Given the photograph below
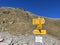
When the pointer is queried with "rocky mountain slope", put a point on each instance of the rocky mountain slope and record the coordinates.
(18, 21)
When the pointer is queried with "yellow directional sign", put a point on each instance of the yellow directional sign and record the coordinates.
(37, 32)
(39, 22)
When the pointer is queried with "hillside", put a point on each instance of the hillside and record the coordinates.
(19, 21)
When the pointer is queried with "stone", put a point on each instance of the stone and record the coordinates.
(2, 43)
(1, 38)
(8, 41)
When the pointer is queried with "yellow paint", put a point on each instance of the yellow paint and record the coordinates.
(37, 32)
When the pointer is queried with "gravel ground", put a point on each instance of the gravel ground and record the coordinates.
(27, 39)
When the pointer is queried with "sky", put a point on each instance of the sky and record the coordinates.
(47, 8)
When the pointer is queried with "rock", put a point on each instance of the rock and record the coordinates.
(2, 43)
(16, 44)
(1, 38)
(11, 22)
(8, 41)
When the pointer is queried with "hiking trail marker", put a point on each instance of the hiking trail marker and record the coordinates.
(38, 30)
(39, 22)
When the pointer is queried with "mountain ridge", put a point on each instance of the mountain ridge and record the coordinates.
(18, 21)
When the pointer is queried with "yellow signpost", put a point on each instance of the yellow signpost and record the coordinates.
(38, 30)
(39, 22)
